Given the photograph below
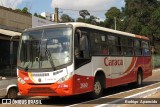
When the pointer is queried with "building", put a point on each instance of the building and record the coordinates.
(13, 23)
(48, 16)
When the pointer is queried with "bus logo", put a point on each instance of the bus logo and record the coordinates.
(39, 80)
(113, 62)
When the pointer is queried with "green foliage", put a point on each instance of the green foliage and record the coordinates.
(18, 10)
(24, 10)
(37, 15)
(142, 16)
(91, 20)
(111, 15)
(113, 12)
(84, 13)
(155, 61)
(66, 18)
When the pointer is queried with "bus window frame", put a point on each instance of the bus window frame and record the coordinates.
(132, 47)
(146, 48)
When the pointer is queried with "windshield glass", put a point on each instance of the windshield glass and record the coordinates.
(46, 48)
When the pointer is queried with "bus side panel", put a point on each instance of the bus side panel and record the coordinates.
(100, 63)
(139, 64)
(147, 67)
(83, 79)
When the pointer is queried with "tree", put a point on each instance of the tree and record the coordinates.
(25, 10)
(91, 20)
(84, 13)
(37, 15)
(18, 10)
(111, 15)
(66, 18)
(79, 19)
(142, 17)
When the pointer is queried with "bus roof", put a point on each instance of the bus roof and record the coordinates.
(80, 24)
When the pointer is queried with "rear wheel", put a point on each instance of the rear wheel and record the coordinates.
(139, 81)
(12, 93)
(98, 88)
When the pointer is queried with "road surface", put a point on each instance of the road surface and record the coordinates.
(110, 94)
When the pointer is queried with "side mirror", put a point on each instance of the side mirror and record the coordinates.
(79, 33)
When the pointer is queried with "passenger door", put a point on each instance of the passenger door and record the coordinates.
(83, 65)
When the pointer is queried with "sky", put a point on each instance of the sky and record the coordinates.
(70, 7)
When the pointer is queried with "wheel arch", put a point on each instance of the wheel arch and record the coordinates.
(11, 86)
(101, 74)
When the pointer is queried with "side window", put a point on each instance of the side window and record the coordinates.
(104, 45)
(145, 48)
(114, 45)
(137, 48)
(95, 43)
(82, 44)
(99, 43)
(127, 46)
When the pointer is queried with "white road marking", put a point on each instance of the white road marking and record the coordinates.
(138, 95)
(114, 95)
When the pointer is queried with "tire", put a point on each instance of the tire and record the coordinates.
(98, 88)
(139, 81)
(12, 93)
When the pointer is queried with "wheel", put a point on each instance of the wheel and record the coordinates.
(139, 81)
(12, 93)
(98, 88)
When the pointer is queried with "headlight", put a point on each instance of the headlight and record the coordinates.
(65, 78)
(21, 80)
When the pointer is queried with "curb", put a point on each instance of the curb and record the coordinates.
(143, 94)
(156, 70)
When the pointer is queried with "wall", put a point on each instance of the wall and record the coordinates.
(14, 20)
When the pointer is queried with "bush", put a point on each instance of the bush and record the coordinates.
(156, 60)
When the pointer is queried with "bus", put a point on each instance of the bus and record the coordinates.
(74, 58)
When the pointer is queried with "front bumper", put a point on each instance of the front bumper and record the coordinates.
(63, 89)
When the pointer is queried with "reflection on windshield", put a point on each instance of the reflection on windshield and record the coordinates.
(47, 48)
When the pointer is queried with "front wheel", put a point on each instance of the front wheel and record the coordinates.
(12, 93)
(98, 88)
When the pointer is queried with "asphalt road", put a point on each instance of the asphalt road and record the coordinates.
(67, 101)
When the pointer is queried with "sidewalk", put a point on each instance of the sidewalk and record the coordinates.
(156, 95)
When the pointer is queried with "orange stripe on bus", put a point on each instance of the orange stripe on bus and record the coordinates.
(131, 65)
(141, 37)
(31, 77)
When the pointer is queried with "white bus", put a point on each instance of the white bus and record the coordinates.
(75, 58)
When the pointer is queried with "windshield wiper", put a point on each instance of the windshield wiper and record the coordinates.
(50, 58)
(27, 67)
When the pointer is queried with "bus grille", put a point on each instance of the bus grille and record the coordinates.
(41, 90)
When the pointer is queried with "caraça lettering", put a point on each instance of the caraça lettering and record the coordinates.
(113, 62)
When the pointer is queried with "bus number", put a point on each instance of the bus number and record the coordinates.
(83, 85)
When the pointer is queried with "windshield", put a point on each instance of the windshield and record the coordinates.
(48, 48)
